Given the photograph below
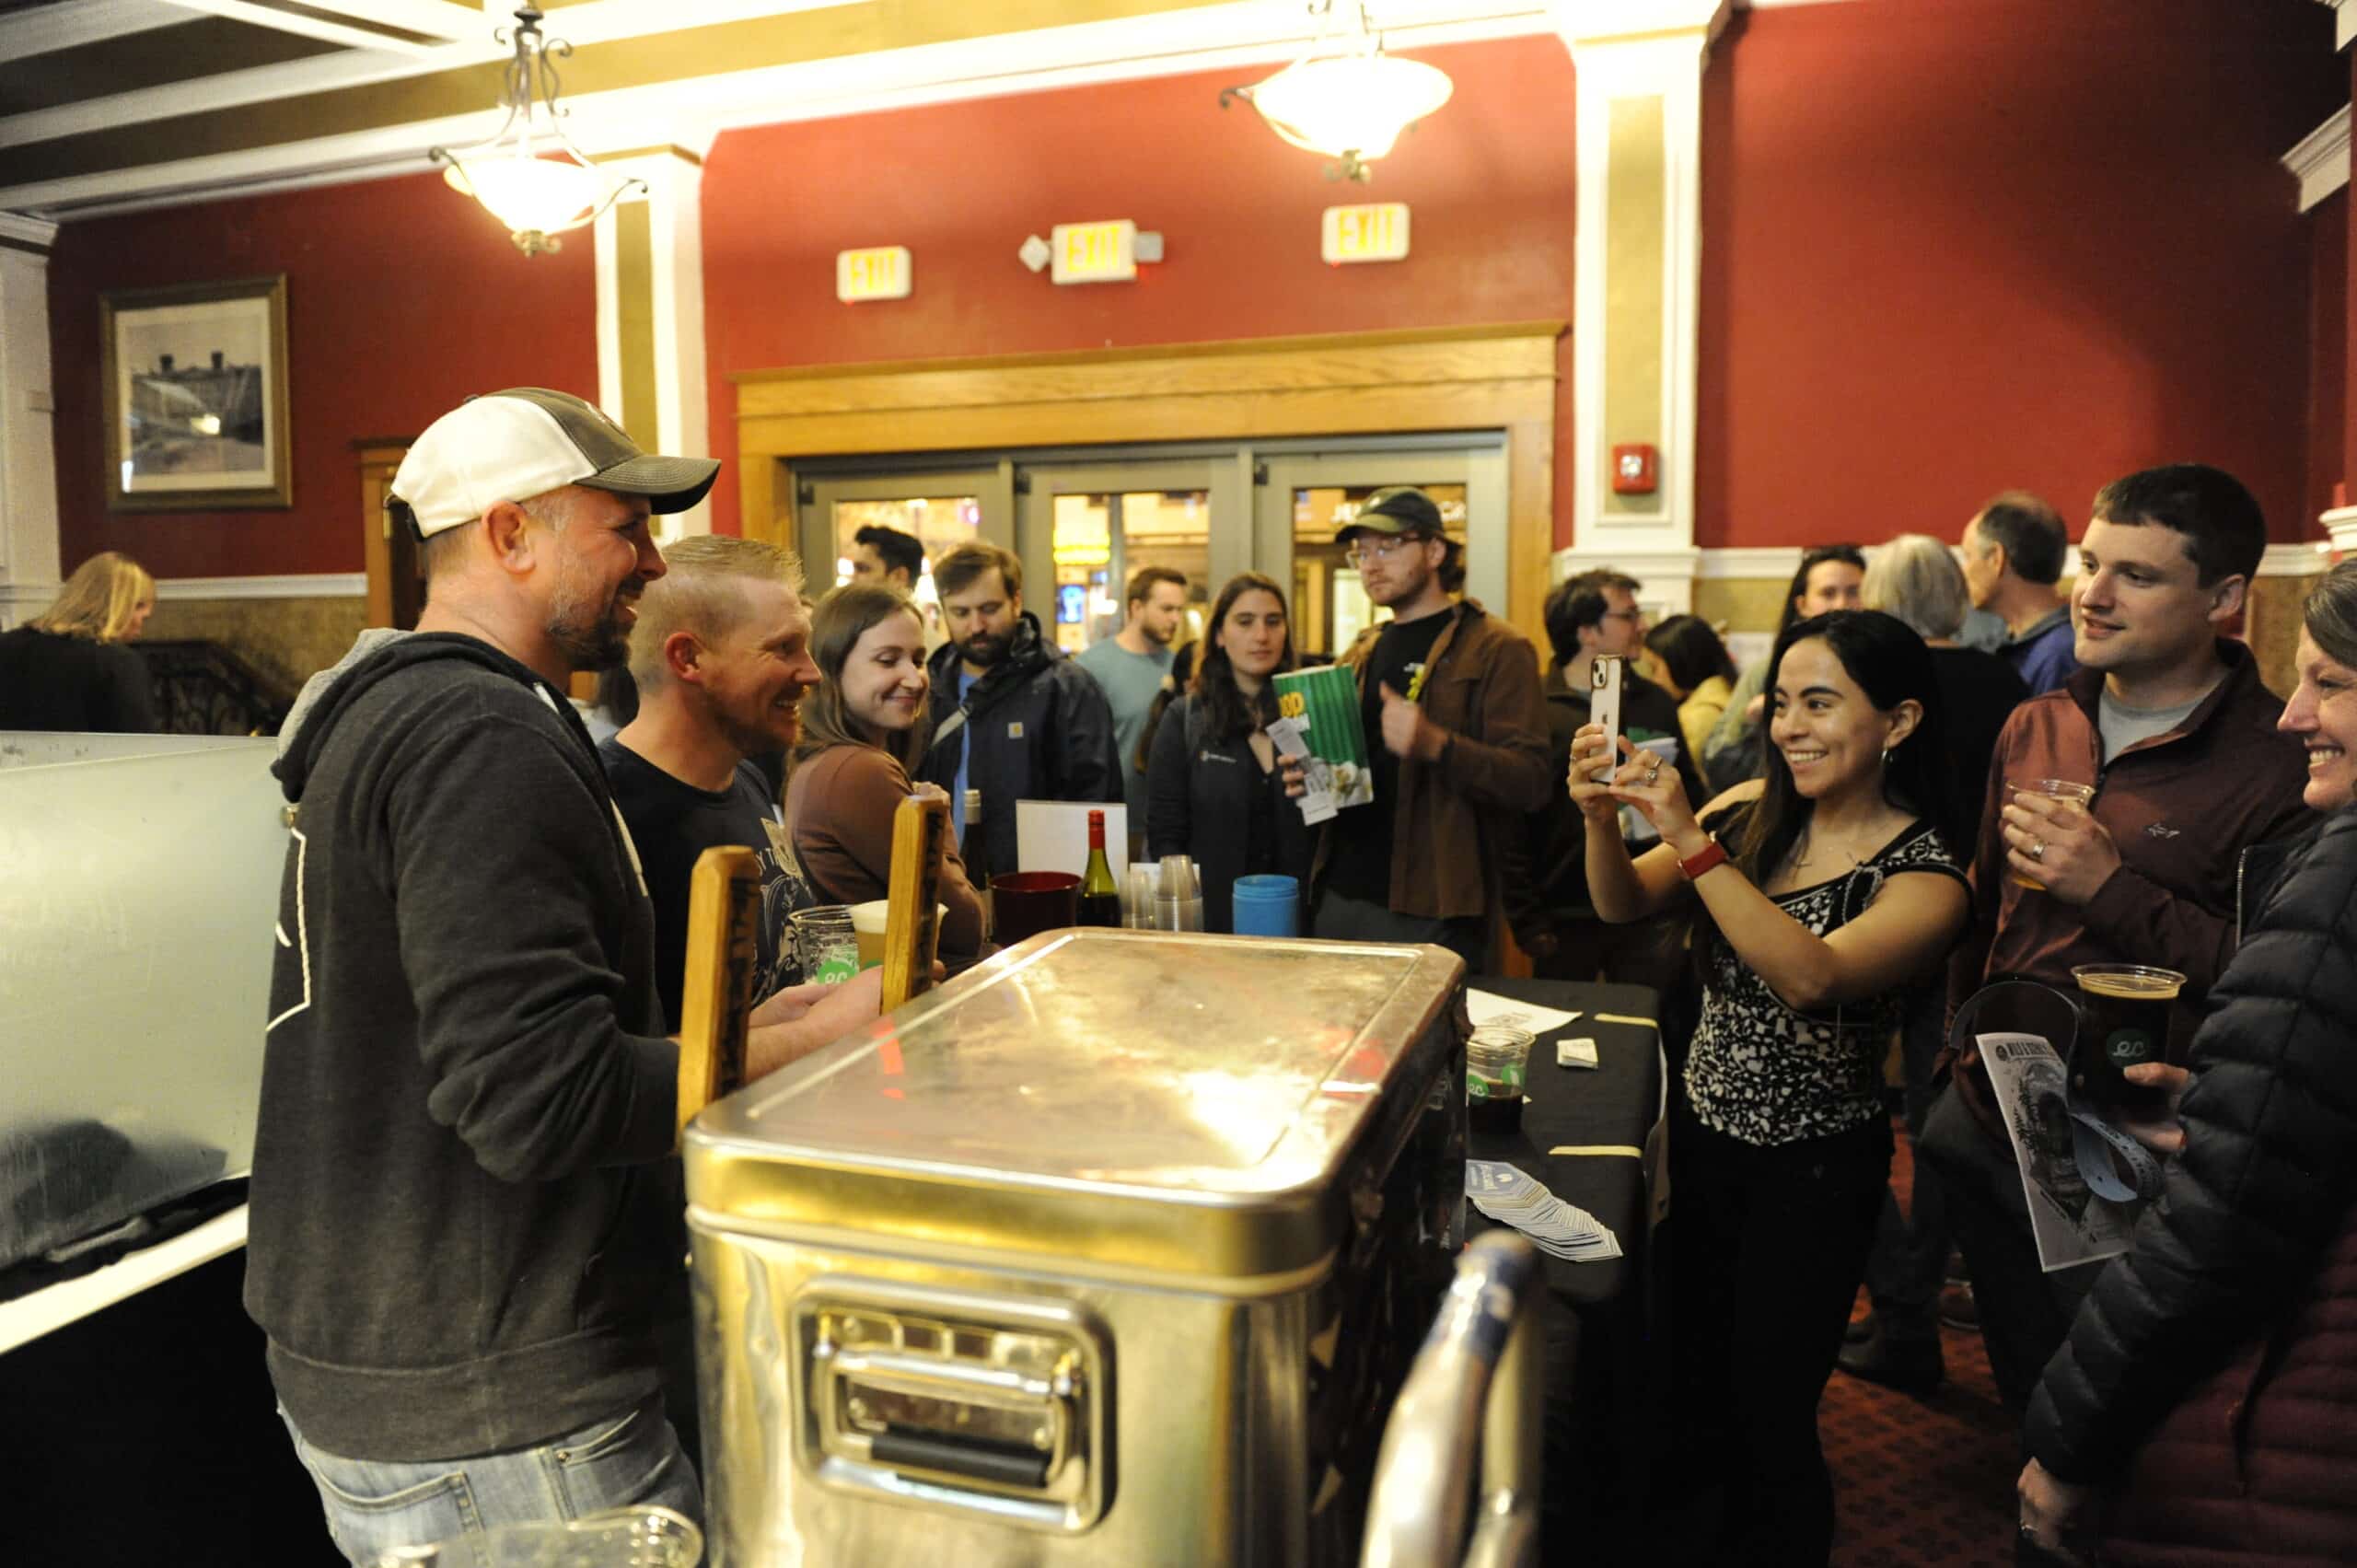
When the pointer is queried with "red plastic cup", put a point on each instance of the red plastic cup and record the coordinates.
(1024, 903)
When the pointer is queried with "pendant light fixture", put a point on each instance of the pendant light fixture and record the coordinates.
(529, 175)
(1345, 98)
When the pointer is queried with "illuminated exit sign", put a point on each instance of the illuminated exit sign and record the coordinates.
(1377, 232)
(882, 272)
(1095, 253)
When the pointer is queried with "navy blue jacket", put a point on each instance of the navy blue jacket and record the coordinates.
(1041, 729)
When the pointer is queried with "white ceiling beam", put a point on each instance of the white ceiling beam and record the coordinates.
(607, 19)
(52, 28)
(257, 84)
(327, 29)
(1247, 36)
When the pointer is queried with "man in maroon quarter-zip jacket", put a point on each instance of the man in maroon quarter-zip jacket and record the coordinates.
(2168, 721)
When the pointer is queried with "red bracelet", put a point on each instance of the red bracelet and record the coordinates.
(1711, 855)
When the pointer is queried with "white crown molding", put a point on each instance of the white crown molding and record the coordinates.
(2344, 22)
(2321, 161)
(2303, 559)
(300, 584)
(25, 230)
(1582, 22)
(49, 28)
(1238, 36)
(2342, 524)
(22, 595)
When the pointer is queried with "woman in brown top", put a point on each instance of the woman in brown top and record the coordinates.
(862, 734)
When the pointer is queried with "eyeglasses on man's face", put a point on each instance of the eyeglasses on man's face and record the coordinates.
(1379, 547)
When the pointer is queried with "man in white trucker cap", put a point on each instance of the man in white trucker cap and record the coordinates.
(465, 1216)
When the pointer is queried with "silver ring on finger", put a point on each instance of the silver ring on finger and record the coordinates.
(1651, 775)
(2037, 849)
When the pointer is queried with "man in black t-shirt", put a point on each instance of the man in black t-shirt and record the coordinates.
(722, 658)
(1456, 741)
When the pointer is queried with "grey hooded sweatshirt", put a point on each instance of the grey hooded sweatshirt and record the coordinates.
(464, 1210)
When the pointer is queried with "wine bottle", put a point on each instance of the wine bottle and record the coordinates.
(1100, 900)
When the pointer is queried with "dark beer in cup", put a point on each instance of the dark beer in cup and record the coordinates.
(2124, 1012)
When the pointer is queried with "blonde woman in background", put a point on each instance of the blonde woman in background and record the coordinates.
(68, 669)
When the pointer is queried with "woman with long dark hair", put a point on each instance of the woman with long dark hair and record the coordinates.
(1702, 674)
(1828, 888)
(862, 732)
(67, 669)
(1216, 790)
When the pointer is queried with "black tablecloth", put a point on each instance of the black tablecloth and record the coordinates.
(1584, 1129)
(1584, 1136)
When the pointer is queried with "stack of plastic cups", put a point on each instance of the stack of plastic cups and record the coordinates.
(1268, 906)
(1137, 910)
(1179, 899)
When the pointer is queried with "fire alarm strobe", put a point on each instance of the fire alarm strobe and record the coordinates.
(1634, 469)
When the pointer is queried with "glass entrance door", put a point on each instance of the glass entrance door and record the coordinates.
(1082, 523)
(942, 508)
(1085, 528)
(1304, 498)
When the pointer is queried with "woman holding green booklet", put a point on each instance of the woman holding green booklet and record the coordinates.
(1215, 788)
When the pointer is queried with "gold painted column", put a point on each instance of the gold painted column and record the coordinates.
(650, 311)
(1639, 67)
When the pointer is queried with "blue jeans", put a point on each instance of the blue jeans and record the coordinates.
(374, 1507)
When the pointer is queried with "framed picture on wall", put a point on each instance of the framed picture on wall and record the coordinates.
(195, 381)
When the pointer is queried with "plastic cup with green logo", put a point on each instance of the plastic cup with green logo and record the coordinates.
(2124, 1022)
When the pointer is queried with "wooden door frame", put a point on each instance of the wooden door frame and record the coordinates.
(1485, 378)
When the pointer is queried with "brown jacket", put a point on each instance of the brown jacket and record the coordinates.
(839, 805)
(1450, 816)
(2181, 808)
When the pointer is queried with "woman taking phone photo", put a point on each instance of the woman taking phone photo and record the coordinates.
(1826, 888)
(861, 740)
(1214, 788)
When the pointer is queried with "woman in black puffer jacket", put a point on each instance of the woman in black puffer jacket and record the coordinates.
(2208, 1386)
(1216, 789)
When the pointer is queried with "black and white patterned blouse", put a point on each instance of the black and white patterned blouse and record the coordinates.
(1763, 1073)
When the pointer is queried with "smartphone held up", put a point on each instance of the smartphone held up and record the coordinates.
(1603, 678)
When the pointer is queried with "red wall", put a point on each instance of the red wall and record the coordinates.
(1956, 245)
(402, 298)
(1489, 179)
(1950, 245)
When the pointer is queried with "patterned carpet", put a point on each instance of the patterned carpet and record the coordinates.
(1922, 1482)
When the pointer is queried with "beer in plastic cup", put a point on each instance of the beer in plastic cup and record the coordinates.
(2076, 794)
(867, 922)
(2124, 1022)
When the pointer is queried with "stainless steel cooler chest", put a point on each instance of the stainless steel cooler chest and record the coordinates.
(1113, 1251)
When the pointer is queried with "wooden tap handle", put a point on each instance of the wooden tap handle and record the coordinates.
(912, 932)
(717, 996)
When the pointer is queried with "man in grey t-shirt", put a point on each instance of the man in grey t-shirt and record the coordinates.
(1130, 667)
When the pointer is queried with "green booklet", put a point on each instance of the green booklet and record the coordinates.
(1324, 702)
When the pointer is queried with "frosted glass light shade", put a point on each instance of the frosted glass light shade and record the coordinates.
(1353, 104)
(530, 195)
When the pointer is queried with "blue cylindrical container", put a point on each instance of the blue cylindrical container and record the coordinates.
(1268, 906)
